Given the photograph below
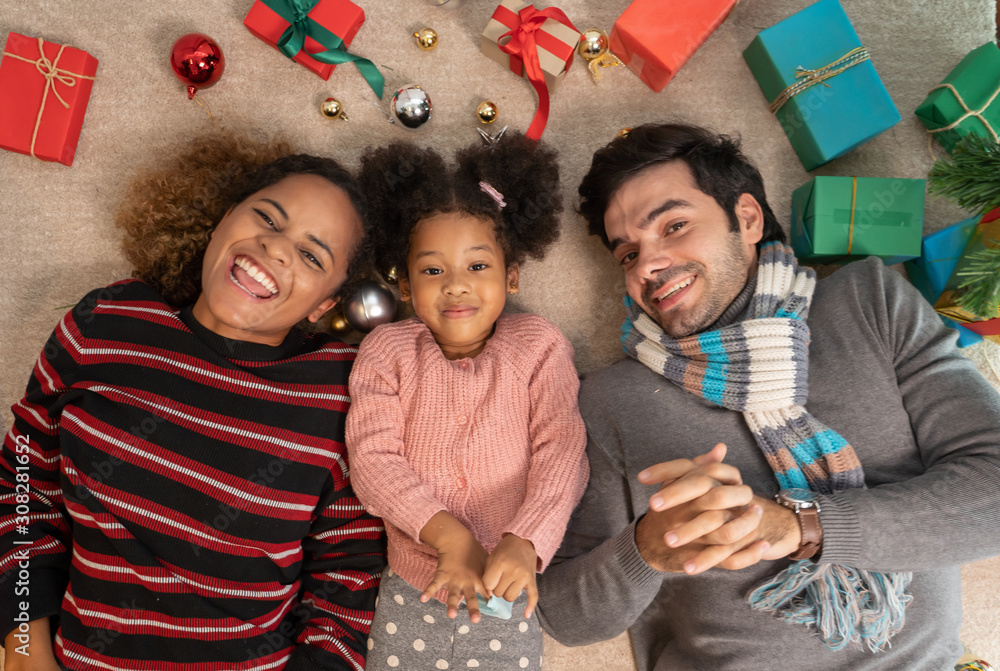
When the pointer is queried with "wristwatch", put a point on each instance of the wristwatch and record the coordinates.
(803, 503)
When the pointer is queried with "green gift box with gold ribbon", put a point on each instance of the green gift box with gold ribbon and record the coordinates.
(313, 33)
(820, 83)
(967, 101)
(846, 218)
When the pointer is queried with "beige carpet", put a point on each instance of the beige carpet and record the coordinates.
(58, 241)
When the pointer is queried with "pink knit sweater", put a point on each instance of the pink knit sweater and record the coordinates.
(496, 440)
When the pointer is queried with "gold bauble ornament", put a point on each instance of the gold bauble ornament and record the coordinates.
(332, 109)
(338, 323)
(487, 112)
(427, 38)
(391, 276)
(593, 44)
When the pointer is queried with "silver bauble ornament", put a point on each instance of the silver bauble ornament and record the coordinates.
(411, 106)
(368, 306)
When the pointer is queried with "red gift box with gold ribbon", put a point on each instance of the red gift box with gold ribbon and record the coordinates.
(535, 43)
(44, 91)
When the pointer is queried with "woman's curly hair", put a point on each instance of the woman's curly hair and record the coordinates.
(169, 213)
(404, 184)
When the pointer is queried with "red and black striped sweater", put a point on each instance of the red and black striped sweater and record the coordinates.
(186, 498)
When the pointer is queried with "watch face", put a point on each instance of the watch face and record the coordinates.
(798, 494)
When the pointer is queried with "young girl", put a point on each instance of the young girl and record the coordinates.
(175, 470)
(464, 433)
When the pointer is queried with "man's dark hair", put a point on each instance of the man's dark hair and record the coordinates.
(719, 168)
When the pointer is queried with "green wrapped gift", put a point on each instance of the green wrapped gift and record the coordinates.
(844, 218)
(967, 102)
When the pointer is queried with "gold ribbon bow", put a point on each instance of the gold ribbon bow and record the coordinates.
(52, 74)
(809, 78)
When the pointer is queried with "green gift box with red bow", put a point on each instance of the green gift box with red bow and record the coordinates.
(314, 33)
(537, 44)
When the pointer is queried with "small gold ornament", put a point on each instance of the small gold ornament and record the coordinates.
(624, 132)
(487, 112)
(593, 44)
(391, 276)
(427, 38)
(338, 323)
(332, 109)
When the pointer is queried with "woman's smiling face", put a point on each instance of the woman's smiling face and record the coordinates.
(277, 258)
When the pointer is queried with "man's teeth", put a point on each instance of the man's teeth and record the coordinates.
(256, 273)
(674, 289)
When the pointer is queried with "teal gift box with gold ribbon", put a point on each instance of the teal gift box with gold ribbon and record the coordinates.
(820, 83)
(314, 33)
(846, 218)
(967, 102)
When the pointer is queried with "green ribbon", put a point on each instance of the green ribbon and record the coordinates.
(292, 41)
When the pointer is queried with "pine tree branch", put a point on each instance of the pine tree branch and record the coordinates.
(972, 178)
(979, 292)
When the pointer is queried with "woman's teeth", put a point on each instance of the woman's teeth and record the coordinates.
(257, 274)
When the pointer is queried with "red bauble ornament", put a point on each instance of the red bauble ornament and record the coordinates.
(197, 61)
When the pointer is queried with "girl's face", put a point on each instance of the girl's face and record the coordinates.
(277, 258)
(458, 281)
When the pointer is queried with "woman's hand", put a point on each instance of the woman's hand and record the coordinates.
(38, 640)
(461, 562)
(510, 570)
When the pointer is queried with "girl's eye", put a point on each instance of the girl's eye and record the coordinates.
(431, 271)
(312, 259)
(478, 266)
(267, 219)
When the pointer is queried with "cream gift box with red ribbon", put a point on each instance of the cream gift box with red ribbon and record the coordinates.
(537, 44)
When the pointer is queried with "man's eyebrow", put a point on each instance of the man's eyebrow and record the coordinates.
(651, 216)
(666, 206)
(278, 207)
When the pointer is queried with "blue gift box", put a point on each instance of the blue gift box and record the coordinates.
(842, 111)
(939, 256)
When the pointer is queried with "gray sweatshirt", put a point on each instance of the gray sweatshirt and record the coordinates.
(883, 372)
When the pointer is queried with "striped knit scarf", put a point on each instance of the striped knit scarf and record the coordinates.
(759, 367)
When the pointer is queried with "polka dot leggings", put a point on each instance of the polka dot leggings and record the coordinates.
(411, 636)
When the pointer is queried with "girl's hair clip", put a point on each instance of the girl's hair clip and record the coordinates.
(492, 193)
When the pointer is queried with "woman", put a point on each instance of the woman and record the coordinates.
(177, 460)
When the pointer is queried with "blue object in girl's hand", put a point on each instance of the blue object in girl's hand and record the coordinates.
(495, 607)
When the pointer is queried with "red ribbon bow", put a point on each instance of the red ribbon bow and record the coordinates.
(525, 37)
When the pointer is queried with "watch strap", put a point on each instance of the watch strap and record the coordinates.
(812, 533)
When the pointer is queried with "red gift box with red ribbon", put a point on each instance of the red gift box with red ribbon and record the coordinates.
(44, 91)
(343, 18)
(535, 43)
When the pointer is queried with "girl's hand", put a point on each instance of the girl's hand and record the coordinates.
(511, 569)
(461, 561)
(40, 656)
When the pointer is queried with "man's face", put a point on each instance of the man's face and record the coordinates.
(683, 262)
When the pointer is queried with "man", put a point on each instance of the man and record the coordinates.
(895, 440)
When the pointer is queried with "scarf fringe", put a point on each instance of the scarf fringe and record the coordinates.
(846, 605)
